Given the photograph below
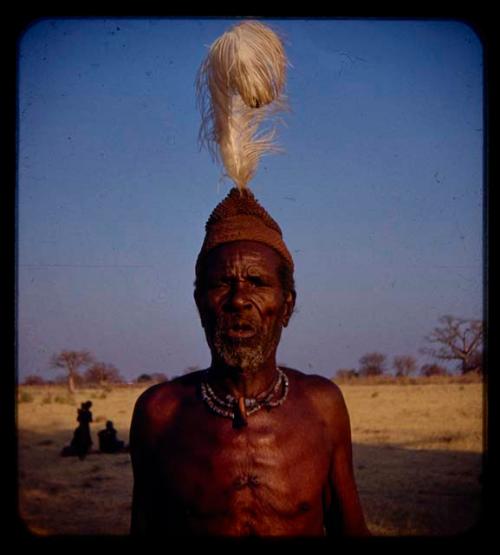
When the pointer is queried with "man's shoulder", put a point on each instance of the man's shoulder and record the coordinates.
(162, 399)
(313, 383)
(321, 391)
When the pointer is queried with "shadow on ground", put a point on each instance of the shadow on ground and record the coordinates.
(66, 495)
(418, 491)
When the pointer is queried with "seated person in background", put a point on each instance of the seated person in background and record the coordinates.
(108, 442)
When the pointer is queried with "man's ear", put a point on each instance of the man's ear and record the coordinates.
(199, 305)
(289, 306)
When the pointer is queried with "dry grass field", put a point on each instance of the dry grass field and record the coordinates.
(417, 457)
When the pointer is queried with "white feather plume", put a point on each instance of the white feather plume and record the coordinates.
(239, 90)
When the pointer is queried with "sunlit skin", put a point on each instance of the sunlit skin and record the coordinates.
(288, 472)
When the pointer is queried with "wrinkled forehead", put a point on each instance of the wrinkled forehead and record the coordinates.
(240, 255)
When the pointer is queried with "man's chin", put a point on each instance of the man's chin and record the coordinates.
(240, 358)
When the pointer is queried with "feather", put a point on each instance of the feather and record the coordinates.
(239, 90)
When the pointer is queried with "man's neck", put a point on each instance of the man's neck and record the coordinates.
(243, 383)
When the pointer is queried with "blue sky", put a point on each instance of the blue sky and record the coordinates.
(379, 190)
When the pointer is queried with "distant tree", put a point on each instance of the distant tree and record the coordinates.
(456, 339)
(429, 370)
(34, 379)
(372, 364)
(103, 374)
(71, 361)
(475, 363)
(156, 377)
(346, 373)
(159, 377)
(404, 365)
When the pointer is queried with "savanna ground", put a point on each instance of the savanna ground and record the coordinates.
(417, 450)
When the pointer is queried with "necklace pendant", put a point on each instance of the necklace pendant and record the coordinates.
(242, 412)
(240, 409)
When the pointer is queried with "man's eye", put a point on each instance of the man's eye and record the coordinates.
(219, 283)
(257, 281)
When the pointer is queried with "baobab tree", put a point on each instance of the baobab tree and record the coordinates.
(457, 339)
(71, 361)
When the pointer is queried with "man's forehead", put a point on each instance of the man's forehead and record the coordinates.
(246, 253)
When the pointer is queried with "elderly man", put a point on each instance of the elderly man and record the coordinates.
(244, 447)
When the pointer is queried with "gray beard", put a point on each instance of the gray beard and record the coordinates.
(247, 355)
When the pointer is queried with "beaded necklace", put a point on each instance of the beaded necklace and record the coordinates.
(241, 408)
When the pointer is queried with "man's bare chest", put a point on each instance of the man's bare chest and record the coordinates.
(275, 466)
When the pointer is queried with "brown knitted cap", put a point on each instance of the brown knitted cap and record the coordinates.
(239, 217)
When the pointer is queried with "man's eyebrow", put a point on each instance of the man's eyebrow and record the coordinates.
(259, 272)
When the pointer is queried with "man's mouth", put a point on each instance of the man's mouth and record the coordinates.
(240, 330)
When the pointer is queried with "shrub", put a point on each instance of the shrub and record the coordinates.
(64, 400)
(47, 399)
(26, 397)
(346, 374)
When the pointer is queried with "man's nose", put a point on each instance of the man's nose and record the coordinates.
(238, 297)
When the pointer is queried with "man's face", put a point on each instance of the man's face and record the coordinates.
(242, 304)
